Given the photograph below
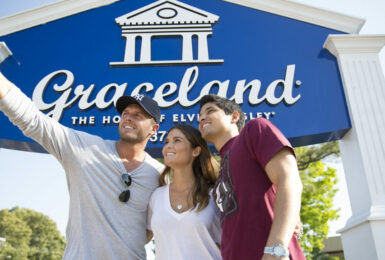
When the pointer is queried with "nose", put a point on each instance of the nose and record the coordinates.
(169, 144)
(127, 117)
(201, 118)
(166, 146)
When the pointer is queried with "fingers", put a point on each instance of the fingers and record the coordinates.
(298, 232)
(5, 85)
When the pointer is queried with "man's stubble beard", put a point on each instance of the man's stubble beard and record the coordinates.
(139, 138)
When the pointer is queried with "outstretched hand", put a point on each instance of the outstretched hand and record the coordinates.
(5, 85)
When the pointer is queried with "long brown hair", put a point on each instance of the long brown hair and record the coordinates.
(205, 167)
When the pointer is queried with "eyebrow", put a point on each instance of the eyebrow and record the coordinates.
(207, 108)
(177, 136)
(139, 111)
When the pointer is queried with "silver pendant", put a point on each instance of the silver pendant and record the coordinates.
(179, 206)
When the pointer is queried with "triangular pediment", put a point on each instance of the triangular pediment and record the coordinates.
(167, 12)
(297, 11)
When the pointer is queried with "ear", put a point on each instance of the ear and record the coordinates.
(197, 151)
(154, 128)
(234, 117)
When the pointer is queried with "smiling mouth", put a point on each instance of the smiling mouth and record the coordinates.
(205, 124)
(169, 154)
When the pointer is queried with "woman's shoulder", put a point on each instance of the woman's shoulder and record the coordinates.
(160, 190)
(157, 195)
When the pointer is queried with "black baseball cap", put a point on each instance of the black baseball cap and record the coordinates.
(148, 104)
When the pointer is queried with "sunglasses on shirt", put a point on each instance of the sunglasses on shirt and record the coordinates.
(125, 195)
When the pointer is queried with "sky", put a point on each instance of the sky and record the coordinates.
(37, 181)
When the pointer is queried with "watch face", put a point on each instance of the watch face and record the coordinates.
(279, 251)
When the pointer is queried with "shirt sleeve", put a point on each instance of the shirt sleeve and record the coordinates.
(263, 140)
(23, 113)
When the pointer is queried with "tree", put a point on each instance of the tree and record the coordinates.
(317, 196)
(39, 238)
(314, 153)
(17, 235)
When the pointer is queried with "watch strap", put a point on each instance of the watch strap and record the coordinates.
(270, 250)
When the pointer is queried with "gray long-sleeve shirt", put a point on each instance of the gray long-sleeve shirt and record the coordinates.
(99, 225)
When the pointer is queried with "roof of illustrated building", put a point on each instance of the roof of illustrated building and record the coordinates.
(65, 8)
(167, 12)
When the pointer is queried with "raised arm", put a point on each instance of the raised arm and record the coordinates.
(283, 172)
(23, 113)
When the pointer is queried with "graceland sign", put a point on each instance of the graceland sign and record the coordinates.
(76, 67)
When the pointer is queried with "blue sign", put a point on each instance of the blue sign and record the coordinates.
(75, 68)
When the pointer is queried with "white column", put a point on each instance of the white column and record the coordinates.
(363, 148)
(203, 49)
(129, 55)
(145, 51)
(187, 51)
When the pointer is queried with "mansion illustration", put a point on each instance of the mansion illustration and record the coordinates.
(166, 18)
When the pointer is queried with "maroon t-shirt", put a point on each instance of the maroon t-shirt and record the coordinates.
(245, 195)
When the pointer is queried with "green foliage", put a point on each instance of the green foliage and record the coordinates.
(17, 235)
(314, 153)
(29, 235)
(318, 255)
(317, 196)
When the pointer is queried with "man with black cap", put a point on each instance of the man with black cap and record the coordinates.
(109, 182)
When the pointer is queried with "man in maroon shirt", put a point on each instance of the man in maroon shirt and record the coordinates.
(259, 189)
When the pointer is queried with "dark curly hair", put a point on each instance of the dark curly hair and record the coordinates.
(228, 106)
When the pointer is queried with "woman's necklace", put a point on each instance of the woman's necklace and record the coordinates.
(183, 196)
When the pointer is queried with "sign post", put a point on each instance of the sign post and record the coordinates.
(363, 147)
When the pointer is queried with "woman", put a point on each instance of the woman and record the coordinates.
(182, 213)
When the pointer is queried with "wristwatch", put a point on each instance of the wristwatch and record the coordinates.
(277, 250)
